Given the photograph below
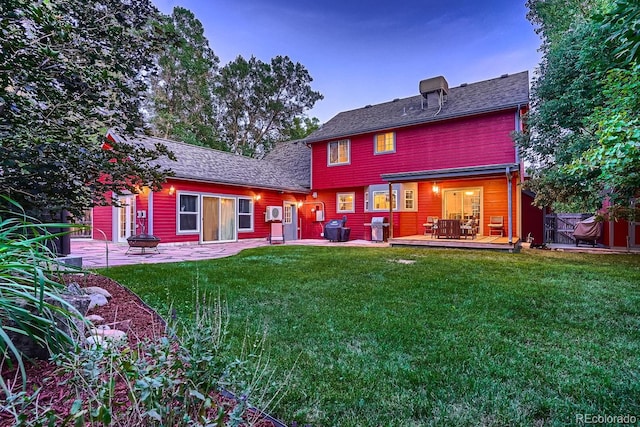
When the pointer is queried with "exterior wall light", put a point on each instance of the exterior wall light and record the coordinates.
(172, 190)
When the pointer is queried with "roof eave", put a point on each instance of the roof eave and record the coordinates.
(300, 189)
(450, 173)
(311, 140)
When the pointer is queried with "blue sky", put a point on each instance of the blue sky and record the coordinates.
(368, 52)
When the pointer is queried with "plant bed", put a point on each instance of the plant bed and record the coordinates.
(56, 392)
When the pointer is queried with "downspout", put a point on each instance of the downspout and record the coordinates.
(510, 206)
(518, 124)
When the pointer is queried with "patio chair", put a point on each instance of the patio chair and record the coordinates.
(469, 229)
(277, 233)
(431, 225)
(496, 225)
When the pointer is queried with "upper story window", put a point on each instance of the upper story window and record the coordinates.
(385, 143)
(346, 202)
(245, 214)
(188, 213)
(339, 152)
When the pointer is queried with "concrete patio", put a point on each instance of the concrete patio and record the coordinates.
(99, 253)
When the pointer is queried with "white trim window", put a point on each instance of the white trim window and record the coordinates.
(188, 213)
(339, 152)
(381, 200)
(346, 202)
(409, 200)
(384, 143)
(245, 214)
(366, 200)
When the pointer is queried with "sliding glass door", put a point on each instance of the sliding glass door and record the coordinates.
(218, 219)
(462, 204)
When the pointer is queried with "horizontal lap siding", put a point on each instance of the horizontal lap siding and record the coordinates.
(474, 141)
(495, 203)
(102, 221)
(165, 208)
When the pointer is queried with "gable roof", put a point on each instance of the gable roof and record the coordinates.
(497, 94)
(208, 165)
(295, 158)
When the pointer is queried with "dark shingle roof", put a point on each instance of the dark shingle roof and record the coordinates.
(474, 98)
(208, 165)
(295, 158)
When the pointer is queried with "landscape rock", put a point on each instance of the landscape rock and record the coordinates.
(97, 300)
(91, 290)
(95, 319)
(74, 289)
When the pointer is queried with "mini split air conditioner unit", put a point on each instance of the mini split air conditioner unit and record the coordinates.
(274, 213)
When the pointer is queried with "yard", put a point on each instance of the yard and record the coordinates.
(406, 337)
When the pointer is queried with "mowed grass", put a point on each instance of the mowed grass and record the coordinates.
(453, 338)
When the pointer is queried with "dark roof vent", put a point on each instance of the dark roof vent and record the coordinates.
(367, 106)
(396, 100)
(504, 75)
(463, 85)
(434, 84)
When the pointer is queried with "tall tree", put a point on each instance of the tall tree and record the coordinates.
(258, 102)
(616, 156)
(182, 103)
(69, 70)
(301, 127)
(569, 98)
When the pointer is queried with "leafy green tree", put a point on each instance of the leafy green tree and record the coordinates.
(301, 127)
(567, 91)
(69, 70)
(616, 156)
(182, 103)
(258, 102)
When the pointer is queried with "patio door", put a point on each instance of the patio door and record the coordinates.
(218, 219)
(290, 221)
(462, 204)
(126, 217)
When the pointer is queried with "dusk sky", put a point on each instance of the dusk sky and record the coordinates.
(368, 52)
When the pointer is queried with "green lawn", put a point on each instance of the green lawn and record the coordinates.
(456, 338)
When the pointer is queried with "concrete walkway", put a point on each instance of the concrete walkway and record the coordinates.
(98, 253)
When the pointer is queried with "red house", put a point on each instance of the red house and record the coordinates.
(445, 153)
(214, 196)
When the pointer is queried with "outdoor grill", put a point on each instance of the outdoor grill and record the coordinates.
(379, 229)
(588, 230)
(335, 230)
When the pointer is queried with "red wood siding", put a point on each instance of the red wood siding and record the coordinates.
(471, 141)
(165, 209)
(532, 220)
(494, 202)
(103, 221)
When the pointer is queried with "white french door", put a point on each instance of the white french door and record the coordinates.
(126, 223)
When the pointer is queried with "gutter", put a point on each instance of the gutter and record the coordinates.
(430, 119)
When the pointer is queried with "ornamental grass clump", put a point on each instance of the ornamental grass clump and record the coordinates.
(31, 306)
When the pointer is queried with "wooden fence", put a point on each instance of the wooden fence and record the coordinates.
(558, 228)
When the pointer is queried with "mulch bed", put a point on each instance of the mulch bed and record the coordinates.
(124, 306)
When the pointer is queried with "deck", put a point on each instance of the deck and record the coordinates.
(494, 243)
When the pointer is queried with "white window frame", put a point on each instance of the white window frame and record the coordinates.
(386, 194)
(366, 200)
(352, 203)
(411, 199)
(384, 134)
(179, 213)
(249, 214)
(337, 145)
